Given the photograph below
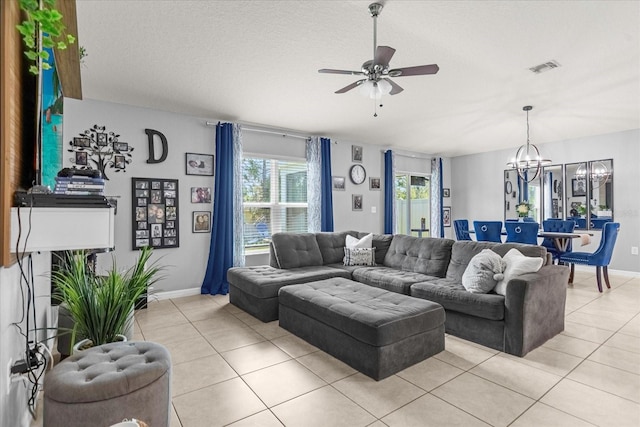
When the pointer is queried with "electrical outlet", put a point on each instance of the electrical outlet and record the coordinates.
(634, 250)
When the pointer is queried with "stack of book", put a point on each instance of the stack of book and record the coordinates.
(79, 185)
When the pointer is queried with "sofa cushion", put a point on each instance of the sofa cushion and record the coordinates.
(359, 256)
(332, 245)
(381, 242)
(293, 250)
(429, 256)
(265, 281)
(390, 279)
(453, 296)
(483, 272)
(517, 264)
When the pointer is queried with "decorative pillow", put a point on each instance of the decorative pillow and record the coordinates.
(354, 242)
(517, 264)
(483, 272)
(359, 256)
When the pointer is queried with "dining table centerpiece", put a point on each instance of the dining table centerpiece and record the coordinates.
(523, 209)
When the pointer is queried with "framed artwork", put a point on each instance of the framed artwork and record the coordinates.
(119, 162)
(81, 142)
(338, 183)
(81, 158)
(446, 192)
(155, 213)
(121, 146)
(199, 164)
(201, 222)
(374, 184)
(578, 187)
(356, 202)
(356, 153)
(446, 216)
(200, 194)
(101, 139)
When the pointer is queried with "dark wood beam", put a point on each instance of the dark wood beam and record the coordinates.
(68, 60)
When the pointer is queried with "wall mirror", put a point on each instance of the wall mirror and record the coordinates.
(600, 192)
(552, 192)
(532, 193)
(576, 193)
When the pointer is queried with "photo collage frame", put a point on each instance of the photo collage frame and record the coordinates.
(155, 213)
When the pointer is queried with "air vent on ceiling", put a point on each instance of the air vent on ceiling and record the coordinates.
(545, 67)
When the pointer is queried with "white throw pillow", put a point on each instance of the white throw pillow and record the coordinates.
(365, 242)
(483, 272)
(359, 256)
(517, 264)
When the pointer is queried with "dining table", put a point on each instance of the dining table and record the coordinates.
(560, 240)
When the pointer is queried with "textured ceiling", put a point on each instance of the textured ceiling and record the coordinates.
(257, 61)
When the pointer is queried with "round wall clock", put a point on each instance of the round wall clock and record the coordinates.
(358, 174)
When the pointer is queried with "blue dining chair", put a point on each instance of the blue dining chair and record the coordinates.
(600, 258)
(558, 226)
(522, 232)
(488, 231)
(462, 229)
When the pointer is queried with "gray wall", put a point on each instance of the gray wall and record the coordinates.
(477, 185)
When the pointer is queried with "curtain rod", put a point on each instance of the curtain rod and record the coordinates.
(411, 156)
(273, 132)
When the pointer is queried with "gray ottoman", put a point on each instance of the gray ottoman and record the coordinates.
(373, 330)
(106, 384)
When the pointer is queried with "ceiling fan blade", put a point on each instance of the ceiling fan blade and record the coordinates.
(351, 73)
(414, 71)
(394, 87)
(351, 86)
(383, 55)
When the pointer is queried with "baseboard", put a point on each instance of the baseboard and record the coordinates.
(592, 269)
(174, 294)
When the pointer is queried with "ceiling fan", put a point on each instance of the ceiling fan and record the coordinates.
(376, 72)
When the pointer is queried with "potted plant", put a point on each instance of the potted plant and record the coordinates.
(101, 306)
(523, 209)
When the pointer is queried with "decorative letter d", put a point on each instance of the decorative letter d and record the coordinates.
(165, 149)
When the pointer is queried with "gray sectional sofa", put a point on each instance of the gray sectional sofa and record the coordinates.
(530, 312)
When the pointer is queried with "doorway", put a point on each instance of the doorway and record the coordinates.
(413, 207)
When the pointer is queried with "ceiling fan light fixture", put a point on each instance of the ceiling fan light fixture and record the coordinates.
(375, 89)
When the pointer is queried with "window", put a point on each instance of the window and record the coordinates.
(412, 204)
(274, 199)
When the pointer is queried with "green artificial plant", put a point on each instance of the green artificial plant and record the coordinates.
(42, 18)
(100, 306)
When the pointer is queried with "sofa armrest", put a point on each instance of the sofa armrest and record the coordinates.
(535, 308)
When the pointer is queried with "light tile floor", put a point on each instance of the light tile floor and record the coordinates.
(231, 369)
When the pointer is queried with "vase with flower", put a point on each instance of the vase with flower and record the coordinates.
(523, 209)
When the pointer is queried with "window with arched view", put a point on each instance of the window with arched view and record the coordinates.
(274, 196)
(413, 209)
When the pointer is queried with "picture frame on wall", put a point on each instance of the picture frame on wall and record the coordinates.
(356, 153)
(199, 164)
(446, 216)
(446, 192)
(200, 194)
(356, 202)
(201, 222)
(338, 183)
(578, 187)
(374, 184)
(154, 211)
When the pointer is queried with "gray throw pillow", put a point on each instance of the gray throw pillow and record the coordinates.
(484, 271)
(359, 256)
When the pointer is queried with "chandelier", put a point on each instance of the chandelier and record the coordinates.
(599, 173)
(528, 162)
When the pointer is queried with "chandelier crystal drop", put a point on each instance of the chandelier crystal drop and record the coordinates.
(528, 163)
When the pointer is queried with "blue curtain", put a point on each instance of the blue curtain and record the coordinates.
(326, 219)
(221, 247)
(389, 193)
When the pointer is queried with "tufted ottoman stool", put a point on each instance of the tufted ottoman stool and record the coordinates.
(373, 330)
(103, 385)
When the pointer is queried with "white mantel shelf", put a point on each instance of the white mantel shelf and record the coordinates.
(59, 229)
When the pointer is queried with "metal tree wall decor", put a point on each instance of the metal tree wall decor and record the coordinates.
(96, 148)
